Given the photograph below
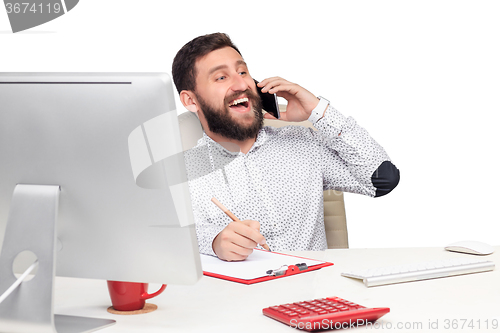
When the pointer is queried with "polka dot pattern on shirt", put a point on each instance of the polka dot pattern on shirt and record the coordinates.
(280, 181)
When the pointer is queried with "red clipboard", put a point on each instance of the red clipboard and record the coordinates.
(291, 270)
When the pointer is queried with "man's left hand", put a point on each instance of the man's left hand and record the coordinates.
(300, 101)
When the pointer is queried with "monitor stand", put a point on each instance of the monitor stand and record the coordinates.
(31, 226)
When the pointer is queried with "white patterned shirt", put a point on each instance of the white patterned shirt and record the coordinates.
(280, 181)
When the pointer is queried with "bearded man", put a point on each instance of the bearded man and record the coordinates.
(272, 179)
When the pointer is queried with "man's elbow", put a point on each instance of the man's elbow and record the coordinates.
(385, 178)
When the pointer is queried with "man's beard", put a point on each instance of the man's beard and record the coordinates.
(221, 122)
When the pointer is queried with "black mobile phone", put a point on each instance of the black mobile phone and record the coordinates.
(269, 102)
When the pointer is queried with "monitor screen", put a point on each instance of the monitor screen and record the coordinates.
(111, 142)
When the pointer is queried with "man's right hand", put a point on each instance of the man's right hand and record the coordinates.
(237, 240)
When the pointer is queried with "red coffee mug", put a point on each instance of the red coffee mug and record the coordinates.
(130, 296)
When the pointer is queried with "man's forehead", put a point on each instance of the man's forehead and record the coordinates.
(226, 57)
(225, 66)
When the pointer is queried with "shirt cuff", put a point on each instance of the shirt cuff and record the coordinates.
(209, 234)
(318, 111)
(333, 122)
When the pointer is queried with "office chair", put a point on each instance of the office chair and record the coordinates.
(334, 208)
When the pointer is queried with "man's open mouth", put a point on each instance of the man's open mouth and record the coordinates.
(240, 104)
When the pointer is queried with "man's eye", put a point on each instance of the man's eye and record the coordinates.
(220, 78)
(243, 73)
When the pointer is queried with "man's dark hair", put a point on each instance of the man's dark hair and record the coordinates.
(183, 67)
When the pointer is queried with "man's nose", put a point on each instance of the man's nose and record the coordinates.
(239, 83)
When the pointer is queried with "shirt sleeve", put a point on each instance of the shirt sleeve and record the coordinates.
(206, 234)
(352, 160)
(199, 168)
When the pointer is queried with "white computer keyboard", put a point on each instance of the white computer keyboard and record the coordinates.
(420, 271)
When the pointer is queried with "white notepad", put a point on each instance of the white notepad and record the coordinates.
(255, 266)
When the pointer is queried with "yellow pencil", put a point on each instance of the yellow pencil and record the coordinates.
(232, 216)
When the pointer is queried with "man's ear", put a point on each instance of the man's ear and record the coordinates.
(188, 99)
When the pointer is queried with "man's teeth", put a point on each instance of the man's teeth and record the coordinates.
(238, 101)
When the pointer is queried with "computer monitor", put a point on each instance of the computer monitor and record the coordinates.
(110, 144)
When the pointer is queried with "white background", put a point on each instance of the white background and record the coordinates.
(422, 76)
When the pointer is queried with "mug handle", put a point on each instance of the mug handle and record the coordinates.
(148, 296)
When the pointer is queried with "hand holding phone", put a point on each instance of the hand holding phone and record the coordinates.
(301, 102)
(269, 102)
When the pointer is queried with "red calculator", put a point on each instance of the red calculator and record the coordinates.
(324, 314)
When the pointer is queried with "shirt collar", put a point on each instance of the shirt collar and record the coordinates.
(262, 137)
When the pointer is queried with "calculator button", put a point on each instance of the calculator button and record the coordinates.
(333, 298)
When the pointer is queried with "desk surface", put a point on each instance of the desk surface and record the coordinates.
(467, 303)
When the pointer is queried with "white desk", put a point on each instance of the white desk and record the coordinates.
(214, 305)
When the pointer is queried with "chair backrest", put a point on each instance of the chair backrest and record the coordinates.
(334, 208)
